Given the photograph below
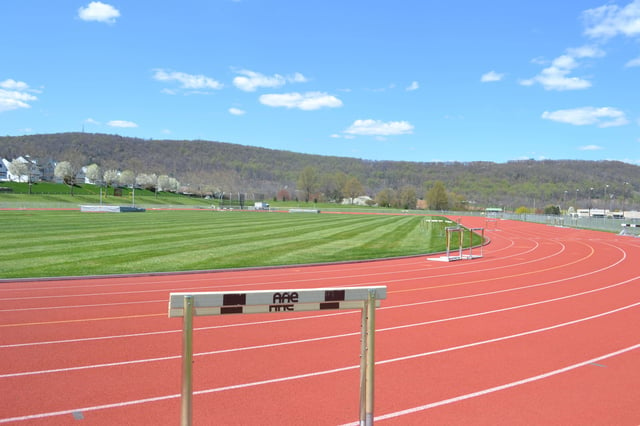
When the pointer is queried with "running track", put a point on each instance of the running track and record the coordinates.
(544, 329)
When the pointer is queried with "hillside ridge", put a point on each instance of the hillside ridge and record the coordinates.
(211, 166)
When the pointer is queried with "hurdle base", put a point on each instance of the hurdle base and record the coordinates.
(454, 258)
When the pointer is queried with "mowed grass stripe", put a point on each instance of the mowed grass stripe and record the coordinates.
(54, 243)
(293, 237)
(178, 238)
(165, 251)
(355, 243)
(319, 244)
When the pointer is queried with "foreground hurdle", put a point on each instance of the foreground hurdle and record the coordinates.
(188, 305)
(459, 231)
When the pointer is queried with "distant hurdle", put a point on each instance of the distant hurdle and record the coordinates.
(491, 223)
(627, 231)
(188, 305)
(438, 225)
(459, 232)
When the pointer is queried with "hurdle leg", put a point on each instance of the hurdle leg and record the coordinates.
(187, 362)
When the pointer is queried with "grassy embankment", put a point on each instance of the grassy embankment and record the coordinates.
(44, 194)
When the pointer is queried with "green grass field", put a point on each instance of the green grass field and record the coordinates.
(70, 243)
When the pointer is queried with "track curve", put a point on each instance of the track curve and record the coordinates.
(541, 330)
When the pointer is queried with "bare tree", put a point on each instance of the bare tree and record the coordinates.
(308, 181)
(353, 188)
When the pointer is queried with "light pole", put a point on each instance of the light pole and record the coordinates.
(605, 198)
(590, 200)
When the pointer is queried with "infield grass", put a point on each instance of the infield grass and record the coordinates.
(70, 243)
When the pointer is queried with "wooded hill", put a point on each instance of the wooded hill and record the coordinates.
(215, 166)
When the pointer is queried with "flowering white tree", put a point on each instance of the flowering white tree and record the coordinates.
(166, 183)
(20, 169)
(110, 177)
(147, 181)
(127, 178)
(65, 171)
(94, 173)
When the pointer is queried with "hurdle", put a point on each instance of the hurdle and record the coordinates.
(491, 223)
(450, 231)
(188, 305)
(471, 232)
(440, 225)
(626, 231)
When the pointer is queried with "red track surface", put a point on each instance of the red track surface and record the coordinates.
(544, 329)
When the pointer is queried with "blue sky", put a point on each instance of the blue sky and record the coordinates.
(496, 80)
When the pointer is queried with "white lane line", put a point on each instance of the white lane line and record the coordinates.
(152, 333)
(96, 305)
(502, 387)
(315, 339)
(340, 313)
(320, 373)
(333, 314)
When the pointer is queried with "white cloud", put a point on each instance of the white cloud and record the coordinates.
(12, 84)
(414, 86)
(556, 76)
(15, 95)
(633, 63)
(250, 81)
(187, 81)
(602, 117)
(379, 128)
(590, 148)
(236, 111)
(122, 123)
(91, 121)
(611, 20)
(304, 101)
(341, 136)
(491, 76)
(586, 51)
(100, 12)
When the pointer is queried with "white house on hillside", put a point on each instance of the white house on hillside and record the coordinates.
(4, 170)
(34, 174)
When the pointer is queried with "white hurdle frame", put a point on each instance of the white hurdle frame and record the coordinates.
(188, 305)
(460, 231)
(471, 231)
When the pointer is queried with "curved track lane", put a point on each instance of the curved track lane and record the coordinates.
(541, 330)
